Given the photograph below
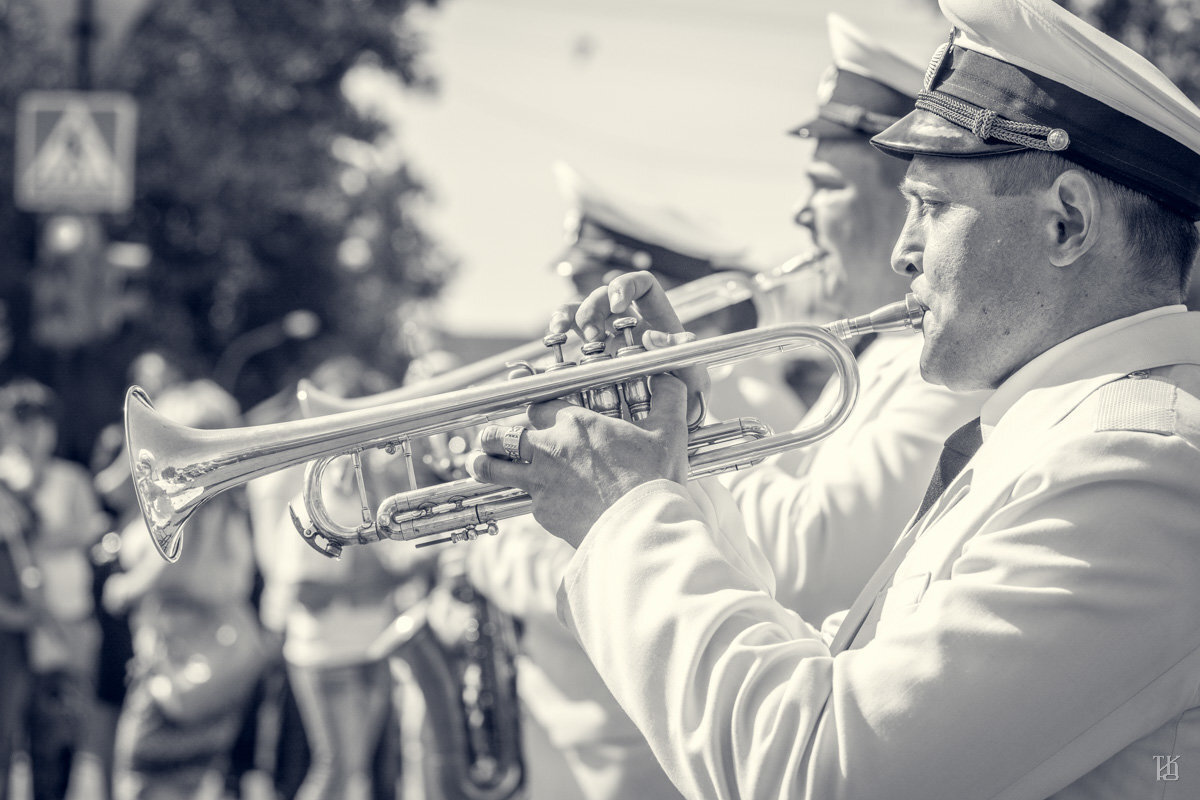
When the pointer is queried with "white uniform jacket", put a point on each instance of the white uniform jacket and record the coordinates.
(826, 522)
(1041, 638)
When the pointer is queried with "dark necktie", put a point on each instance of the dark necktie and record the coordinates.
(957, 451)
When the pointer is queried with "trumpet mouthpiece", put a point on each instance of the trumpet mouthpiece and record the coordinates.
(906, 314)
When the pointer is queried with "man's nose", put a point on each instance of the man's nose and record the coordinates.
(802, 215)
(908, 254)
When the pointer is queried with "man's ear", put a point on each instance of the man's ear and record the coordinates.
(1073, 204)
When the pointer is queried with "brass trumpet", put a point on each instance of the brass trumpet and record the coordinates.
(176, 468)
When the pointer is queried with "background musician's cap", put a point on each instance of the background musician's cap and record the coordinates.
(1027, 74)
(606, 233)
(867, 88)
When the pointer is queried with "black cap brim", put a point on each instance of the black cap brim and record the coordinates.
(925, 133)
(819, 128)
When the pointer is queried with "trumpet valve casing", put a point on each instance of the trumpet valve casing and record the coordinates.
(605, 399)
(636, 391)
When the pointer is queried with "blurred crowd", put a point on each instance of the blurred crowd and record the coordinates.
(252, 667)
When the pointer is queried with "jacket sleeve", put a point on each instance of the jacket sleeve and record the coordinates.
(1053, 621)
(826, 529)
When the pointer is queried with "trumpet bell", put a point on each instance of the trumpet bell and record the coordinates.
(165, 498)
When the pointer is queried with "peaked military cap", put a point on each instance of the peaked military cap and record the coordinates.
(867, 88)
(607, 232)
(1028, 75)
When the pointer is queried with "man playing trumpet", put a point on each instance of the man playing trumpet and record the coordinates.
(1034, 631)
(826, 521)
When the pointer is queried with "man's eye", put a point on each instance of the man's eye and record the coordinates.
(928, 206)
(826, 183)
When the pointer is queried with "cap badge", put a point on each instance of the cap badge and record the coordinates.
(935, 63)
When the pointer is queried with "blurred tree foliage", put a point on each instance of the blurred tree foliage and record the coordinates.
(1167, 32)
(256, 191)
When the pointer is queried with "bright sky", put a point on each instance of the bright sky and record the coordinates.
(682, 103)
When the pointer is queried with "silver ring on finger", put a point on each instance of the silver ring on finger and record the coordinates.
(512, 442)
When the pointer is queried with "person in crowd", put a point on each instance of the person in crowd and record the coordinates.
(17, 615)
(1034, 631)
(827, 514)
(332, 705)
(198, 648)
(155, 371)
(339, 608)
(64, 638)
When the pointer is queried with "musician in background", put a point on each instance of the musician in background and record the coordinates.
(827, 515)
(578, 742)
(608, 234)
(1034, 632)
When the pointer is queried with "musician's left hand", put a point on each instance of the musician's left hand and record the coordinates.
(640, 295)
(581, 462)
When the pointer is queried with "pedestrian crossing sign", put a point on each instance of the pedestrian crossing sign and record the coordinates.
(75, 151)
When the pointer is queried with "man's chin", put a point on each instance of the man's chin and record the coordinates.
(954, 376)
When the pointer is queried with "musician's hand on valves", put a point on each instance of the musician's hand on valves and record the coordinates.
(575, 463)
(636, 294)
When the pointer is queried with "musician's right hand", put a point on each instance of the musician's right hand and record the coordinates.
(576, 463)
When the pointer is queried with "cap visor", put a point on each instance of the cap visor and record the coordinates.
(925, 133)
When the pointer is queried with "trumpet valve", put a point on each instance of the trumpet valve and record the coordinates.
(555, 342)
(604, 400)
(626, 326)
(635, 390)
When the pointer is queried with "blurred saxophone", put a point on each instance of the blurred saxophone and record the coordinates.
(470, 698)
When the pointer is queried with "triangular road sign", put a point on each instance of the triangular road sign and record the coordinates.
(75, 151)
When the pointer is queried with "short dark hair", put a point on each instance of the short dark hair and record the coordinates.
(1163, 241)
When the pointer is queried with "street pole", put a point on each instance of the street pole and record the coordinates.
(85, 33)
